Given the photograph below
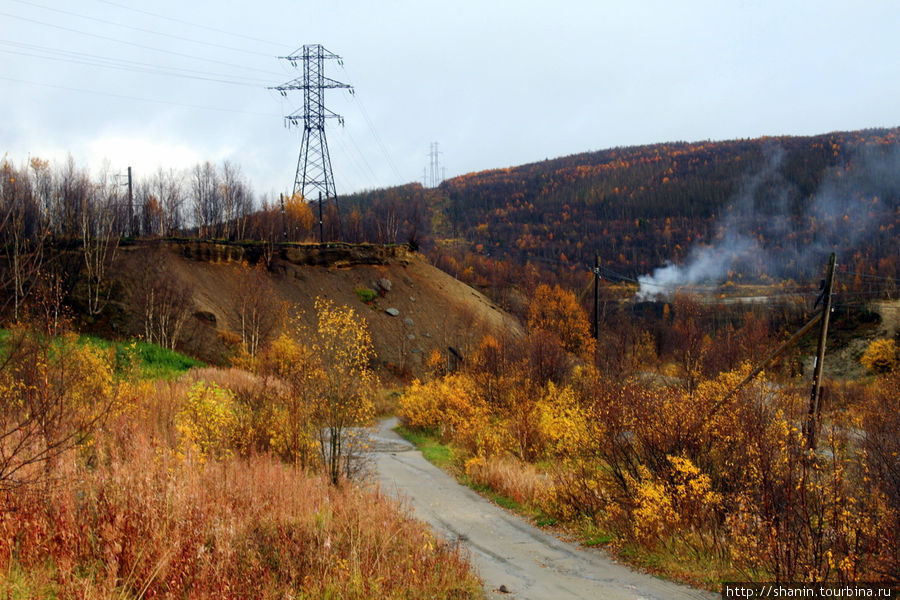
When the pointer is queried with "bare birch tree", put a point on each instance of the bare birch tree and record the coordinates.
(99, 239)
(21, 235)
(164, 303)
(257, 311)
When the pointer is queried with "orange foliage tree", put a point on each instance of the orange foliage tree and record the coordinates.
(556, 310)
(298, 217)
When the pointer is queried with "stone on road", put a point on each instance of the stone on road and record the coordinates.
(513, 558)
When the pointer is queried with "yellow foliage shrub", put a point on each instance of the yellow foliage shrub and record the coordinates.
(53, 394)
(453, 408)
(684, 501)
(563, 423)
(880, 356)
(580, 488)
(654, 512)
(207, 421)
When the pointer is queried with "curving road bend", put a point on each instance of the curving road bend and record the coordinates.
(513, 558)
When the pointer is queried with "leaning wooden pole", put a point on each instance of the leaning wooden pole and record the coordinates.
(765, 363)
(815, 405)
(596, 271)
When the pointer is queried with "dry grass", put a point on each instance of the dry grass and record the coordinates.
(512, 478)
(131, 517)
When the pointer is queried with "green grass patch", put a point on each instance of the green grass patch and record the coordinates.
(673, 560)
(600, 540)
(161, 363)
(437, 453)
(151, 360)
(20, 584)
(496, 498)
(543, 520)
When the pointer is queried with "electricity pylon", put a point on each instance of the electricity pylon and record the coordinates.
(314, 164)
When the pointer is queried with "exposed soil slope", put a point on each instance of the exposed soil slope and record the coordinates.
(434, 309)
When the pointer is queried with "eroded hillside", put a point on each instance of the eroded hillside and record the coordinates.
(434, 311)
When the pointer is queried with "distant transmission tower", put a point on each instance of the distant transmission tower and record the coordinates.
(314, 164)
(434, 175)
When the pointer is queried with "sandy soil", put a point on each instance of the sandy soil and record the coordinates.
(434, 310)
(506, 550)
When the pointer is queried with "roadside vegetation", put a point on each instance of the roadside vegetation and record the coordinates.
(650, 460)
(127, 472)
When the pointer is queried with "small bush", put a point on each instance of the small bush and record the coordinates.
(207, 422)
(366, 295)
(880, 357)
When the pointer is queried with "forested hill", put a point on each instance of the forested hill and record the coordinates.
(641, 207)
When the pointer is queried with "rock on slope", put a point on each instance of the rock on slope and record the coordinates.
(431, 310)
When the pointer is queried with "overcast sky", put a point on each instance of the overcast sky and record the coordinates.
(495, 83)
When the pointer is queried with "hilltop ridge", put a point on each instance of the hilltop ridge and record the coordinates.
(644, 207)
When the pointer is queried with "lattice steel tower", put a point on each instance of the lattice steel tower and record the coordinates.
(314, 164)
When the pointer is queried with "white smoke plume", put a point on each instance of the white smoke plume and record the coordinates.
(839, 215)
(703, 264)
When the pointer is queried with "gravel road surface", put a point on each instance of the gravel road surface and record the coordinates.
(513, 558)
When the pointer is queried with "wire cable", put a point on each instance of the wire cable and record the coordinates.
(868, 276)
(124, 63)
(191, 23)
(125, 97)
(362, 157)
(372, 128)
(354, 162)
(149, 70)
(136, 45)
(141, 29)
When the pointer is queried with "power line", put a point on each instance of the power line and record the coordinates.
(125, 97)
(135, 44)
(354, 159)
(868, 276)
(149, 69)
(359, 153)
(870, 293)
(191, 23)
(105, 60)
(141, 29)
(373, 130)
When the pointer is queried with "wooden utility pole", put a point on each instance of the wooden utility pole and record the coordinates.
(131, 227)
(321, 230)
(815, 405)
(283, 219)
(596, 272)
(767, 361)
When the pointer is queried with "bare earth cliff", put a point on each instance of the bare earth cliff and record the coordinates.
(418, 308)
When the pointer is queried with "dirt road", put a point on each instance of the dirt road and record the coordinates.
(506, 550)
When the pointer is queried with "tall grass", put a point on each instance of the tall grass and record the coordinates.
(519, 481)
(133, 515)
